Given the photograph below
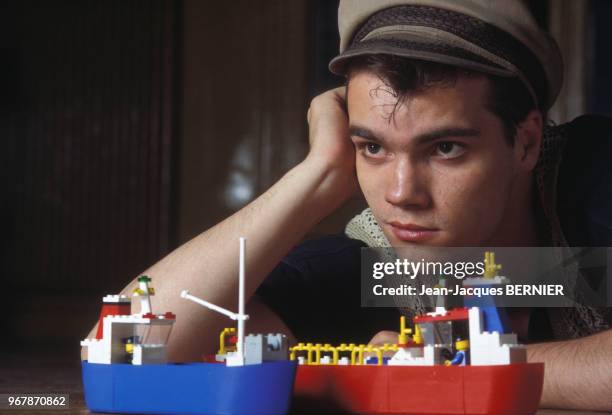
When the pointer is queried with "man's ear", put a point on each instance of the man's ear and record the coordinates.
(528, 140)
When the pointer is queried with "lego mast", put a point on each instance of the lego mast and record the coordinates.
(240, 344)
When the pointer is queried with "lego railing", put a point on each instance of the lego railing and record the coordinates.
(357, 352)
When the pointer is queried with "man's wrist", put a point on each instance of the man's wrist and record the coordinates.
(334, 186)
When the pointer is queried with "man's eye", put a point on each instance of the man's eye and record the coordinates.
(449, 150)
(372, 148)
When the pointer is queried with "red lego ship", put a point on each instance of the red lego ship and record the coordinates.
(368, 389)
(460, 361)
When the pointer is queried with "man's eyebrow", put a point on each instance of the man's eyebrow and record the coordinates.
(447, 132)
(355, 130)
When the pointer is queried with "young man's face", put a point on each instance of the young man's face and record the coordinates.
(440, 171)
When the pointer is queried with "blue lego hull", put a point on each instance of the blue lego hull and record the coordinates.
(191, 388)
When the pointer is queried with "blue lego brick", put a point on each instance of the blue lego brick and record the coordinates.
(495, 318)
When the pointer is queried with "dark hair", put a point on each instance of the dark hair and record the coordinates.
(508, 99)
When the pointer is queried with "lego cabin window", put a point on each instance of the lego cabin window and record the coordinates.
(443, 332)
(153, 334)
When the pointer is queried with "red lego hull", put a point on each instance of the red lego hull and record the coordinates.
(369, 389)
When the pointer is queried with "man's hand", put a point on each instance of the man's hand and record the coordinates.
(382, 337)
(330, 144)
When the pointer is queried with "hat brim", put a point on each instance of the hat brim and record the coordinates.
(417, 48)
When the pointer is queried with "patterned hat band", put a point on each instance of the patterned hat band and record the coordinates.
(443, 36)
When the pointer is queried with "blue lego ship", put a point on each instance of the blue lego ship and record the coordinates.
(192, 388)
(126, 370)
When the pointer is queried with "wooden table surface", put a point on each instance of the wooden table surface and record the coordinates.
(56, 369)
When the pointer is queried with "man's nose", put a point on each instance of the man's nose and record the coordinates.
(408, 187)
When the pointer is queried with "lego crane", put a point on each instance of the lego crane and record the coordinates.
(233, 358)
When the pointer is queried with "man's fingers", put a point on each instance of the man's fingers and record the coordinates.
(340, 95)
(383, 337)
(340, 92)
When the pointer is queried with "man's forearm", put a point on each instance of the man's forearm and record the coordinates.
(208, 264)
(577, 373)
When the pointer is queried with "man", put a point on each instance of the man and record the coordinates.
(441, 127)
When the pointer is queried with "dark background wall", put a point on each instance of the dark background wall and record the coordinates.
(599, 80)
(89, 136)
(130, 126)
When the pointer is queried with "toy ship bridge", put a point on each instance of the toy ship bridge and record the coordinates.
(123, 337)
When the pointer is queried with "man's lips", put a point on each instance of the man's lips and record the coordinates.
(410, 232)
